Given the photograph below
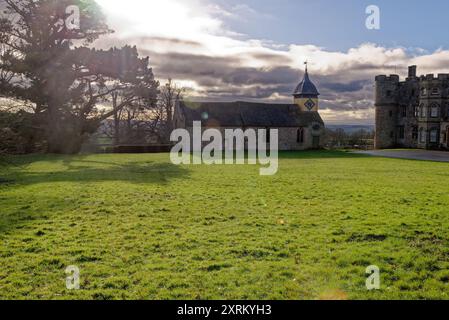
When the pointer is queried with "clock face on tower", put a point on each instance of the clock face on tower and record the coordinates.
(310, 104)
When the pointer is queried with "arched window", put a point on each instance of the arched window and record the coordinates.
(415, 133)
(435, 110)
(300, 135)
(434, 135)
(422, 111)
(422, 135)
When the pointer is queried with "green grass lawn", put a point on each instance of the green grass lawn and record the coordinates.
(139, 227)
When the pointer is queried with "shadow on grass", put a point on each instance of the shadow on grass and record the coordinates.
(320, 154)
(21, 172)
(86, 169)
(83, 170)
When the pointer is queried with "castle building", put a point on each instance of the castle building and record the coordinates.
(413, 113)
(299, 124)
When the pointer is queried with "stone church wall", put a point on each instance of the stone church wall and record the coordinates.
(287, 137)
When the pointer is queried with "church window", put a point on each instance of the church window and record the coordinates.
(300, 135)
(434, 111)
(434, 136)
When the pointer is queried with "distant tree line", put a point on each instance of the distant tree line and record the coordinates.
(340, 139)
(56, 90)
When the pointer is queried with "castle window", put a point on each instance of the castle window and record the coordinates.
(417, 111)
(401, 131)
(388, 93)
(422, 111)
(435, 91)
(434, 136)
(404, 111)
(391, 114)
(422, 135)
(300, 135)
(434, 111)
(268, 135)
(415, 133)
(423, 91)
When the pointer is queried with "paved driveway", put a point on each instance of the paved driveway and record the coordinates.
(440, 156)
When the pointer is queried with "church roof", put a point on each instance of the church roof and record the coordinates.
(247, 114)
(306, 87)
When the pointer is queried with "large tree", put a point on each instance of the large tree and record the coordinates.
(46, 59)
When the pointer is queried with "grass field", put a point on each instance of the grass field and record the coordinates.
(139, 227)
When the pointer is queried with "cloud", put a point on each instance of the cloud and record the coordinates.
(190, 41)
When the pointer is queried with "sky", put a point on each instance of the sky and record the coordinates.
(254, 50)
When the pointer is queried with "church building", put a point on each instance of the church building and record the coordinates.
(299, 124)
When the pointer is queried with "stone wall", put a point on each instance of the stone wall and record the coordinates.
(386, 111)
(287, 137)
(393, 97)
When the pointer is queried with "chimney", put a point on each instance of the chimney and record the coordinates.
(412, 72)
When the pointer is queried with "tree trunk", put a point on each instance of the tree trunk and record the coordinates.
(63, 136)
(116, 120)
(116, 129)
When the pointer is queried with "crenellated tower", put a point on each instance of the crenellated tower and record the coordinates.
(386, 102)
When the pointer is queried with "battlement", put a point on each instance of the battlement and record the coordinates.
(432, 77)
(428, 77)
(394, 78)
(390, 78)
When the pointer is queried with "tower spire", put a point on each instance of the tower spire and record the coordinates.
(306, 93)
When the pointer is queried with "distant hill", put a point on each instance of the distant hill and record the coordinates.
(351, 128)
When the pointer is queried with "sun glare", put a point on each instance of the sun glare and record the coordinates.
(173, 18)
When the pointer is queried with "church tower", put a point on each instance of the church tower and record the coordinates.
(306, 94)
